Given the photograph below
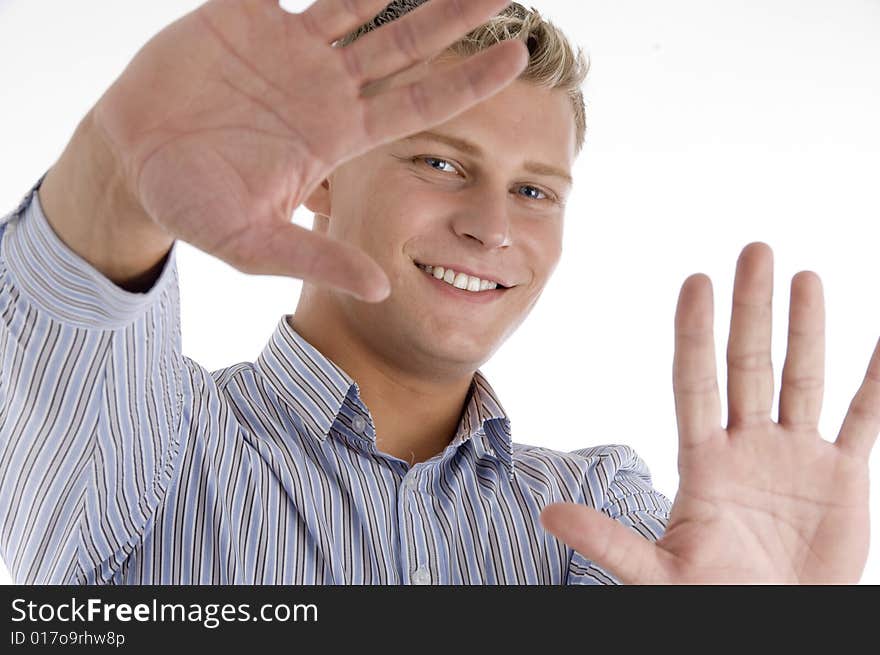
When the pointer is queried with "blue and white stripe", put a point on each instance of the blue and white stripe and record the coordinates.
(122, 461)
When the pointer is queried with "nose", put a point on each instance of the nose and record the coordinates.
(487, 220)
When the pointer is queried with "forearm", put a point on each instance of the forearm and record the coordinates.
(95, 378)
(93, 212)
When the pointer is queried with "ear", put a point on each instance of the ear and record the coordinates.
(319, 203)
(319, 200)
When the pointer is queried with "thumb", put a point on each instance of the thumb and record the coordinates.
(619, 550)
(291, 250)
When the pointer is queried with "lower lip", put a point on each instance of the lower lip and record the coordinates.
(480, 297)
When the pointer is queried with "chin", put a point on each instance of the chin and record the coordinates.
(420, 334)
(457, 348)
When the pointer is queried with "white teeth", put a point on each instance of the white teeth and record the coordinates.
(459, 280)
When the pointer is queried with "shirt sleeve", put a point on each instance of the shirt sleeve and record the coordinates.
(623, 479)
(90, 405)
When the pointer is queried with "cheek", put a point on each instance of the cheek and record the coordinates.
(397, 218)
(544, 245)
(384, 231)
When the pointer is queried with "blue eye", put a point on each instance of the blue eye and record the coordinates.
(431, 161)
(535, 189)
(428, 160)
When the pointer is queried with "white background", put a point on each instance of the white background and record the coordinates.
(710, 125)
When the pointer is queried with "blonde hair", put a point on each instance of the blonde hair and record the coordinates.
(553, 63)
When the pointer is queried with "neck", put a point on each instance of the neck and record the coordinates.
(415, 413)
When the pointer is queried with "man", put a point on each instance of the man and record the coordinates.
(364, 445)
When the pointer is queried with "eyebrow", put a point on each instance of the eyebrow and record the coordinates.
(472, 149)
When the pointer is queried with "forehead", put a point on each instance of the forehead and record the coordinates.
(522, 120)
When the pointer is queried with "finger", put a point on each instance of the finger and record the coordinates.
(862, 422)
(432, 100)
(749, 366)
(416, 37)
(333, 19)
(803, 374)
(293, 251)
(694, 374)
(611, 545)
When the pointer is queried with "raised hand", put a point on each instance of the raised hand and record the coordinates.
(227, 119)
(758, 501)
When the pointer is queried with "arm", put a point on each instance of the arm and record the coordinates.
(91, 382)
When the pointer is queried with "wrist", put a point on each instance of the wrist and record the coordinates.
(89, 204)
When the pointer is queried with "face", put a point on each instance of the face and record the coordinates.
(492, 209)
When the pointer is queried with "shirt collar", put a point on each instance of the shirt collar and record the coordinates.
(485, 421)
(311, 385)
(315, 389)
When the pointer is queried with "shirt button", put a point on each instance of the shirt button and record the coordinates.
(358, 424)
(409, 484)
(421, 575)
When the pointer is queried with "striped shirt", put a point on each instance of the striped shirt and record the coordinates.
(123, 461)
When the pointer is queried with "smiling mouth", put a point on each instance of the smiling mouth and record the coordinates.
(461, 281)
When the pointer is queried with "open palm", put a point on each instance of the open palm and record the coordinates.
(758, 501)
(229, 118)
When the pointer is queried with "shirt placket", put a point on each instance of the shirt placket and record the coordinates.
(416, 566)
